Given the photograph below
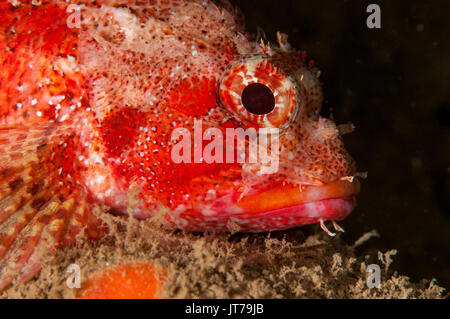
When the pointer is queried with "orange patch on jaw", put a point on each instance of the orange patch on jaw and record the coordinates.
(290, 195)
(140, 280)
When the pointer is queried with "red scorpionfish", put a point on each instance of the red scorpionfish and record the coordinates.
(91, 93)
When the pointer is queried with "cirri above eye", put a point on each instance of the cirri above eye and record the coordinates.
(259, 94)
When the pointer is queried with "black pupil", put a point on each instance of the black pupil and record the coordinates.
(258, 99)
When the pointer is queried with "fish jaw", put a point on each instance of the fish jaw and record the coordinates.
(277, 208)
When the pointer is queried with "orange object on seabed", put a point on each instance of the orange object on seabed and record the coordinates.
(139, 280)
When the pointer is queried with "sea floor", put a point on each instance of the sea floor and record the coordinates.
(298, 263)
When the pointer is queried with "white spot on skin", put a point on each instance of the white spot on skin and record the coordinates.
(208, 212)
(210, 194)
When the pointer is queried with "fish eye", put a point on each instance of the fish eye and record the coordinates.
(259, 93)
(258, 99)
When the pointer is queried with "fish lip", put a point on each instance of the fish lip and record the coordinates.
(325, 209)
(295, 196)
(331, 209)
(274, 209)
(277, 219)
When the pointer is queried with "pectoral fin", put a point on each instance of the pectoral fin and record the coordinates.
(43, 205)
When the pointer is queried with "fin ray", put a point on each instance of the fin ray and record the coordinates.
(40, 211)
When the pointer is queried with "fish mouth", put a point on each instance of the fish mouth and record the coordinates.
(293, 195)
(291, 206)
(282, 207)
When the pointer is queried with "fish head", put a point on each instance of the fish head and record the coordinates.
(142, 107)
(295, 169)
(222, 131)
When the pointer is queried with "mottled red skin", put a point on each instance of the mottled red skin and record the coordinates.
(98, 104)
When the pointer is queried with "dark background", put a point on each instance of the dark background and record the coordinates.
(393, 84)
